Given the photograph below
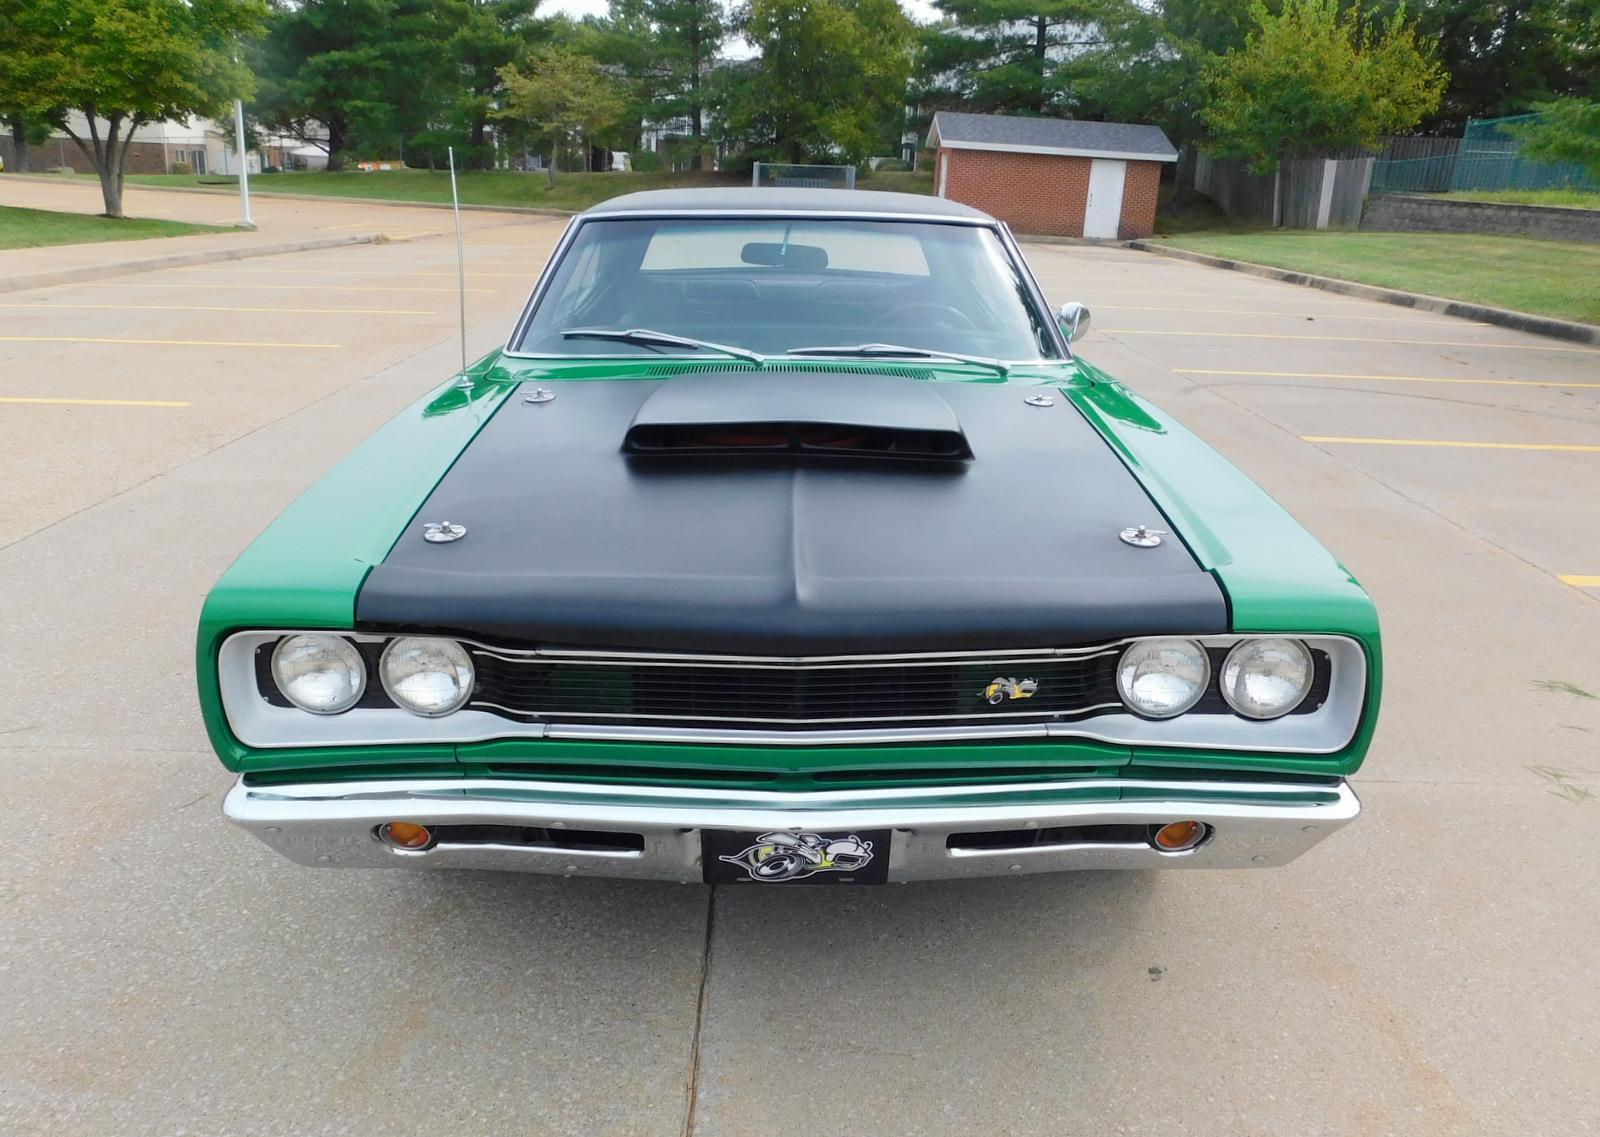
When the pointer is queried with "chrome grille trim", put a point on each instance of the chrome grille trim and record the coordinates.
(819, 721)
(643, 688)
(261, 725)
(786, 662)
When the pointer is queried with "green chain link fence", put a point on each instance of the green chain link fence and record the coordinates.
(1486, 157)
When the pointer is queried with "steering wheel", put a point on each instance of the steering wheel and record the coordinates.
(940, 315)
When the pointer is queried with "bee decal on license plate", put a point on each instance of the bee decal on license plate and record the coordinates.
(795, 856)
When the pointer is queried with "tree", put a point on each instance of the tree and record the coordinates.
(26, 133)
(493, 35)
(1150, 65)
(324, 63)
(123, 63)
(665, 48)
(30, 60)
(829, 79)
(1567, 130)
(691, 33)
(1010, 55)
(1503, 55)
(1311, 80)
(562, 94)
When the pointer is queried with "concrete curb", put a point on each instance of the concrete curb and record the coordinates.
(175, 260)
(1052, 239)
(1504, 317)
(534, 210)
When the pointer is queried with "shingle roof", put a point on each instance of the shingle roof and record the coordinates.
(1050, 136)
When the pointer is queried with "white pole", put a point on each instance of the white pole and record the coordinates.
(461, 259)
(244, 167)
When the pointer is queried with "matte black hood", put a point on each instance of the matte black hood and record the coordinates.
(572, 540)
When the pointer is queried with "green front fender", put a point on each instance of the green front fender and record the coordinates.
(305, 569)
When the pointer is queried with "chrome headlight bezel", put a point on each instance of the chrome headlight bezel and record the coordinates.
(339, 646)
(257, 716)
(1233, 663)
(448, 646)
(1128, 676)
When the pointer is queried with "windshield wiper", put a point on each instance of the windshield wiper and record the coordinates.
(893, 351)
(658, 339)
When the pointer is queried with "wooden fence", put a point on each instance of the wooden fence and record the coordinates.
(1310, 193)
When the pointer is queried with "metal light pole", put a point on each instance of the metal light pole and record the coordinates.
(244, 221)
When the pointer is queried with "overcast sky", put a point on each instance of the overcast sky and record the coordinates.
(920, 10)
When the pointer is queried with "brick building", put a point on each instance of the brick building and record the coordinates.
(201, 145)
(1050, 175)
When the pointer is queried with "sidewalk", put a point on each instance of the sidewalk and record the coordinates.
(281, 227)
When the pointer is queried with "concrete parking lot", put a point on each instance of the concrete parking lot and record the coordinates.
(1427, 971)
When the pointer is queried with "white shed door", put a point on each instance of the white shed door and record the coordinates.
(1104, 211)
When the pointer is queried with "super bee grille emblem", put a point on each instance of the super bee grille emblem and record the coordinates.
(1003, 690)
(795, 856)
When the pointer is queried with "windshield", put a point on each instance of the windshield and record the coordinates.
(771, 286)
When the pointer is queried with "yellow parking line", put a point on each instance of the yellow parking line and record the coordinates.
(303, 287)
(1580, 581)
(93, 402)
(228, 308)
(164, 343)
(336, 228)
(412, 236)
(1381, 378)
(1282, 312)
(1451, 443)
(1351, 339)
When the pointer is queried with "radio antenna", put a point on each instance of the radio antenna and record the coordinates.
(461, 261)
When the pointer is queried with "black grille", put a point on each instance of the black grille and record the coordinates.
(797, 696)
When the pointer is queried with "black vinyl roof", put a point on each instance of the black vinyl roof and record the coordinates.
(1050, 136)
(748, 199)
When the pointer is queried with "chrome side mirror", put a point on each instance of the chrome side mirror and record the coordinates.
(1074, 320)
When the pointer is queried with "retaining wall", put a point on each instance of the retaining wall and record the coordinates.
(1416, 214)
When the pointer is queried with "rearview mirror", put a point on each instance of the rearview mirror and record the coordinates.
(796, 258)
(1074, 320)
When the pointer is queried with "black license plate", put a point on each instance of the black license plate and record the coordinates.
(795, 856)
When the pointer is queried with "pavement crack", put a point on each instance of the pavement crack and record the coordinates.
(691, 1087)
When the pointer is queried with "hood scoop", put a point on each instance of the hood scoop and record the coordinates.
(826, 414)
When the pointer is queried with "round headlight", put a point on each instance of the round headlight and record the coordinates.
(1162, 678)
(1263, 679)
(425, 675)
(319, 673)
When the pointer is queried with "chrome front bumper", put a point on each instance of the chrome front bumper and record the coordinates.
(334, 824)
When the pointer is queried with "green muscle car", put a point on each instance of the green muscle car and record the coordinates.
(787, 541)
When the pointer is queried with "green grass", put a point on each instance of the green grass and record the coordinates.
(1550, 278)
(495, 187)
(1570, 198)
(32, 228)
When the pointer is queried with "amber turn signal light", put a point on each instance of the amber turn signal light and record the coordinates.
(1178, 836)
(405, 835)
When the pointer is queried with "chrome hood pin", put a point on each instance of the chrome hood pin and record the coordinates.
(443, 532)
(1142, 538)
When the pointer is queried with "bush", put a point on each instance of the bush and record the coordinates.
(182, 168)
(645, 161)
(741, 162)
